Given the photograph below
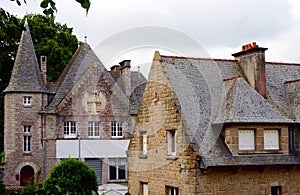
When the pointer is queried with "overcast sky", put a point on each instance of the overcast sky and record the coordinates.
(133, 29)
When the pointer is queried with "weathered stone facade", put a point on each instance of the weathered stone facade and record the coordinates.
(46, 122)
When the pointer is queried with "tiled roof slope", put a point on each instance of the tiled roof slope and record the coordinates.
(26, 75)
(210, 92)
(243, 104)
(81, 62)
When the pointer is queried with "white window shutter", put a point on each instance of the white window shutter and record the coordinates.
(246, 140)
(271, 140)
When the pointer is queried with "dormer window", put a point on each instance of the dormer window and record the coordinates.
(27, 101)
(246, 139)
(271, 139)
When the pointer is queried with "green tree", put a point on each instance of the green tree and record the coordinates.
(71, 176)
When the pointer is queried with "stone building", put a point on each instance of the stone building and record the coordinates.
(215, 126)
(87, 114)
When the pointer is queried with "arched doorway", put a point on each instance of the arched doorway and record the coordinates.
(27, 174)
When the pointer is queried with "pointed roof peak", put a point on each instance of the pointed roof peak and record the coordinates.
(26, 75)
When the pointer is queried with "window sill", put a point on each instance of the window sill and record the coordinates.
(143, 156)
(69, 136)
(172, 158)
(27, 106)
(27, 153)
(117, 137)
(117, 181)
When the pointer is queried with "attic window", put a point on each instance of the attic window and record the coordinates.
(171, 142)
(246, 139)
(271, 139)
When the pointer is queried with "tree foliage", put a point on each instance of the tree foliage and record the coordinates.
(71, 176)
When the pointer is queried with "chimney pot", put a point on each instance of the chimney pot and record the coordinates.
(254, 44)
(244, 47)
(43, 63)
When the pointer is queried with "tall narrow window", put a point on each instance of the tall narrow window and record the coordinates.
(171, 142)
(144, 188)
(246, 140)
(93, 129)
(27, 144)
(271, 139)
(27, 101)
(143, 143)
(116, 129)
(117, 169)
(70, 129)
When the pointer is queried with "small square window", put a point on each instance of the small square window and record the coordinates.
(171, 142)
(27, 101)
(172, 190)
(143, 143)
(27, 128)
(271, 139)
(276, 190)
(246, 140)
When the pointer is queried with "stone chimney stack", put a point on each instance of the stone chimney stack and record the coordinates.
(252, 62)
(126, 76)
(43, 61)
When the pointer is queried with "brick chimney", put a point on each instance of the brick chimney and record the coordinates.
(43, 61)
(125, 76)
(252, 62)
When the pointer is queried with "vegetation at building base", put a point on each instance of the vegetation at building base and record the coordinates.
(50, 39)
(69, 176)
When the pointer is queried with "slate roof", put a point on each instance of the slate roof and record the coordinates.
(211, 92)
(83, 59)
(81, 62)
(26, 75)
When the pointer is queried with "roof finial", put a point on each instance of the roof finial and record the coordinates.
(85, 38)
(139, 69)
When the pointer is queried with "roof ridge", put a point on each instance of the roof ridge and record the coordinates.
(198, 58)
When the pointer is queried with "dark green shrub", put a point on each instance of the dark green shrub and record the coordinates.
(71, 176)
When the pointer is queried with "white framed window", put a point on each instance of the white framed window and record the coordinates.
(117, 169)
(116, 129)
(27, 101)
(246, 139)
(70, 129)
(93, 129)
(27, 144)
(144, 139)
(27, 128)
(271, 139)
(144, 188)
(172, 190)
(171, 142)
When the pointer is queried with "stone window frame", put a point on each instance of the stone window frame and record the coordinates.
(171, 142)
(94, 129)
(27, 101)
(115, 166)
(27, 128)
(143, 144)
(116, 129)
(70, 129)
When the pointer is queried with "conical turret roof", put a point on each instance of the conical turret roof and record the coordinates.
(26, 75)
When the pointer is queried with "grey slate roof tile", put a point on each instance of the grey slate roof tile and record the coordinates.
(26, 75)
(211, 92)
